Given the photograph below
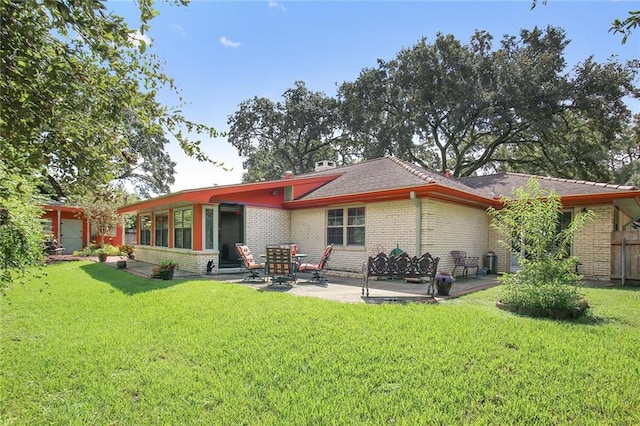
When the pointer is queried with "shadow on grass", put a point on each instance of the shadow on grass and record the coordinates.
(126, 282)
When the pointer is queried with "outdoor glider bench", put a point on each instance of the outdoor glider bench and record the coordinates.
(401, 266)
(461, 259)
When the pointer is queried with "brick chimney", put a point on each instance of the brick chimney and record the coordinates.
(325, 165)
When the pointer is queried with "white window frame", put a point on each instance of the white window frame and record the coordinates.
(144, 228)
(346, 226)
(179, 212)
(214, 233)
(155, 227)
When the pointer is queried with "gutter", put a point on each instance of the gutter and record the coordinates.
(418, 204)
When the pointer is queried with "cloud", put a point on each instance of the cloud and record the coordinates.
(178, 30)
(136, 37)
(228, 43)
(273, 4)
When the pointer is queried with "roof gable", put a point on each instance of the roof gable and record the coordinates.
(380, 174)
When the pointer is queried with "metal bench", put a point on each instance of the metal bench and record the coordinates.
(401, 266)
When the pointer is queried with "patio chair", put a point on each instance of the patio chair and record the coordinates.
(294, 251)
(279, 267)
(318, 267)
(461, 259)
(252, 266)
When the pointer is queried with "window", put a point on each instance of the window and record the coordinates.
(335, 227)
(209, 228)
(162, 230)
(354, 231)
(182, 224)
(563, 223)
(145, 230)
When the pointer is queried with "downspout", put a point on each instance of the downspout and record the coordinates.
(418, 204)
(623, 260)
(60, 242)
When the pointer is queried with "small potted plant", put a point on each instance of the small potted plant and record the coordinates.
(102, 255)
(127, 250)
(166, 269)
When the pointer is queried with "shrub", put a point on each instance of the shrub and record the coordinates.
(551, 284)
(94, 250)
(126, 249)
(167, 264)
(530, 225)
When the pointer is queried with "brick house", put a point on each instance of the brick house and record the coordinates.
(376, 205)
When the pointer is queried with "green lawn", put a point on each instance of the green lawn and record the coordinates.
(99, 346)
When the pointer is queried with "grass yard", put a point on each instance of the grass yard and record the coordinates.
(100, 346)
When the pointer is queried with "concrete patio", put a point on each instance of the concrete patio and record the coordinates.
(337, 288)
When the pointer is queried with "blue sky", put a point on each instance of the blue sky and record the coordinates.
(221, 53)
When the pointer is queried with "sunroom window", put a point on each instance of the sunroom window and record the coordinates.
(162, 230)
(145, 230)
(182, 225)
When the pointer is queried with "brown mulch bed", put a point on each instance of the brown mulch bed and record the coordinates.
(57, 258)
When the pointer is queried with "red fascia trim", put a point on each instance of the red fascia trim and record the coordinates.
(204, 195)
(576, 200)
(432, 190)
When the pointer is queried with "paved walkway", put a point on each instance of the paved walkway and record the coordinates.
(337, 288)
(341, 289)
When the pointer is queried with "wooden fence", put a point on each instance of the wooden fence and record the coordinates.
(630, 240)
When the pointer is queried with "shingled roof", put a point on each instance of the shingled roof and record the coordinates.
(391, 178)
(380, 174)
(499, 184)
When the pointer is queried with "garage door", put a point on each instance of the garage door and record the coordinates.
(71, 235)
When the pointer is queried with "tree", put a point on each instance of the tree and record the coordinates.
(100, 209)
(625, 157)
(586, 138)
(72, 74)
(72, 77)
(471, 108)
(274, 137)
(374, 118)
(625, 26)
(21, 234)
(148, 166)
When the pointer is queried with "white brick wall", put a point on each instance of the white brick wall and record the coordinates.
(592, 245)
(266, 226)
(187, 260)
(445, 227)
(448, 227)
(391, 225)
